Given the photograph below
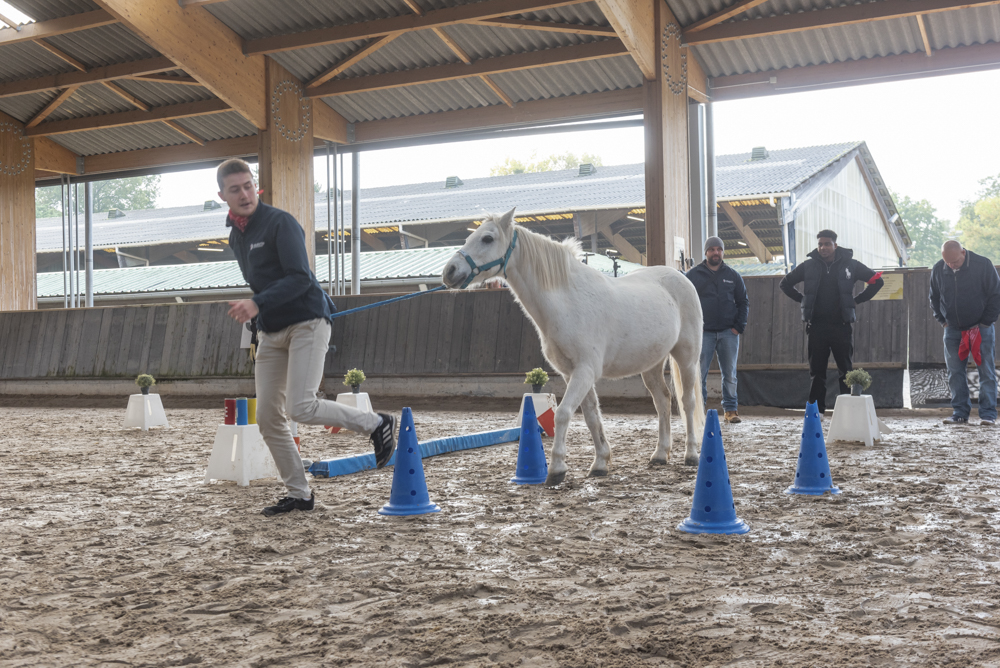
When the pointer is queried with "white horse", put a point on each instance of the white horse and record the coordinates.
(592, 326)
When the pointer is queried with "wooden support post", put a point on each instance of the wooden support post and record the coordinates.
(17, 217)
(750, 237)
(666, 140)
(285, 150)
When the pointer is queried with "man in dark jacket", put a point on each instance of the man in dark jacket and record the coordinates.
(725, 307)
(293, 321)
(965, 298)
(828, 307)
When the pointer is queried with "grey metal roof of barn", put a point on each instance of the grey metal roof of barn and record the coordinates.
(563, 191)
(420, 263)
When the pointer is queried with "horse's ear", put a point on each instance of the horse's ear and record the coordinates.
(507, 220)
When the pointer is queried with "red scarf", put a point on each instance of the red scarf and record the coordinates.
(239, 222)
(972, 340)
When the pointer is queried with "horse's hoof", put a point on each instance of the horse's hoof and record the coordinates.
(657, 462)
(555, 479)
(691, 460)
(597, 473)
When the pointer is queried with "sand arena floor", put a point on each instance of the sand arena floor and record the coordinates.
(116, 554)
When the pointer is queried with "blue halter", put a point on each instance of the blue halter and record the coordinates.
(476, 270)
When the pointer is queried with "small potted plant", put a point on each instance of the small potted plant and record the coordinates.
(144, 381)
(354, 378)
(858, 380)
(536, 378)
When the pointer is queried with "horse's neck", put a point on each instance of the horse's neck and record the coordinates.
(540, 304)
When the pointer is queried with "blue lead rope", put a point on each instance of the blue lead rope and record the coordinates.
(387, 301)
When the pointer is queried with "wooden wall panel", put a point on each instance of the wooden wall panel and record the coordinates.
(285, 150)
(17, 218)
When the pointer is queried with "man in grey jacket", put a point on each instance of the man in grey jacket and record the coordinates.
(965, 298)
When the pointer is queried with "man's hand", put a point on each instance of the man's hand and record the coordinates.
(243, 310)
(733, 330)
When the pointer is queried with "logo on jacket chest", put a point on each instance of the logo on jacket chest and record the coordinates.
(259, 244)
(847, 273)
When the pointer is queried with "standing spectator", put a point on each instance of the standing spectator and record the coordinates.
(725, 307)
(828, 308)
(965, 298)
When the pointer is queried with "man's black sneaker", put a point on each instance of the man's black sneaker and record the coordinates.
(384, 440)
(955, 419)
(288, 504)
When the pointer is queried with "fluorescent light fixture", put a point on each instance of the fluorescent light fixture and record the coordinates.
(641, 220)
(211, 250)
(742, 243)
(472, 229)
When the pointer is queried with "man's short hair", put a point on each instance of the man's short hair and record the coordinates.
(828, 234)
(231, 166)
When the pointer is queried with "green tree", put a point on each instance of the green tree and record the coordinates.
(131, 194)
(927, 231)
(981, 229)
(47, 202)
(556, 161)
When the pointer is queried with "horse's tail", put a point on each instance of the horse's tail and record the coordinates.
(699, 405)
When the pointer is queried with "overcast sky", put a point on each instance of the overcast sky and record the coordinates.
(931, 139)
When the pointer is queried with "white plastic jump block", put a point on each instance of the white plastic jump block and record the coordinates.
(854, 419)
(359, 401)
(545, 411)
(240, 455)
(145, 411)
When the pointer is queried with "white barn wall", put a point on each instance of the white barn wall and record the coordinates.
(846, 206)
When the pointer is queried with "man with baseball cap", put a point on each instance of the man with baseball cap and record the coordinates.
(725, 307)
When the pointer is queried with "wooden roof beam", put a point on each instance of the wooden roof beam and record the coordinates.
(488, 9)
(828, 18)
(125, 95)
(94, 75)
(975, 58)
(354, 58)
(923, 35)
(62, 55)
(467, 59)
(171, 155)
(183, 131)
(751, 239)
(414, 7)
(166, 78)
(548, 26)
(166, 112)
(486, 66)
(52, 157)
(569, 107)
(720, 16)
(633, 22)
(203, 46)
(30, 32)
(51, 107)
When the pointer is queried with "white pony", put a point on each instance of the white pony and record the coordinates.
(592, 326)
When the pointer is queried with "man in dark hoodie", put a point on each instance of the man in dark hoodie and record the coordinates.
(292, 314)
(725, 306)
(828, 307)
(965, 298)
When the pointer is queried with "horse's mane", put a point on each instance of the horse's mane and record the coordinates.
(548, 260)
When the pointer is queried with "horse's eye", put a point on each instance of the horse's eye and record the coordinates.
(487, 239)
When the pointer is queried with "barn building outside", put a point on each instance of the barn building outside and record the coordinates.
(121, 553)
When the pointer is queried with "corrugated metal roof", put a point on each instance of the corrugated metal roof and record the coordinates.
(737, 175)
(158, 94)
(426, 263)
(24, 107)
(226, 125)
(123, 138)
(411, 100)
(257, 18)
(44, 10)
(90, 100)
(27, 60)
(105, 45)
(954, 28)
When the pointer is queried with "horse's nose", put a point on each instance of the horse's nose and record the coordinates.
(451, 271)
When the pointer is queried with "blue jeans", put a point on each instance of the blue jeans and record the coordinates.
(958, 382)
(727, 345)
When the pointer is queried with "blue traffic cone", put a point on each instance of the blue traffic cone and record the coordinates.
(532, 469)
(812, 475)
(713, 510)
(409, 487)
